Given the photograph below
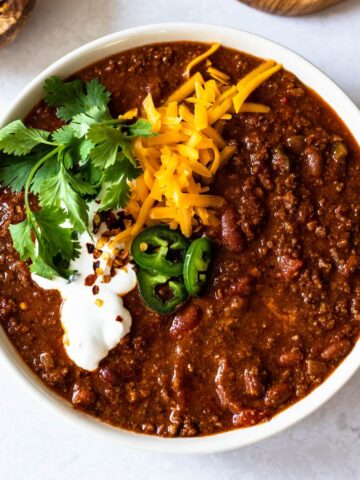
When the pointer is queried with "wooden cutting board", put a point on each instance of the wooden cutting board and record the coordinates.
(290, 7)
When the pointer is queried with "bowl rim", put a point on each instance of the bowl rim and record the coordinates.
(249, 43)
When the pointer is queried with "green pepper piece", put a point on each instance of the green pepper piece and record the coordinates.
(160, 250)
(197, 261)
(159, 292)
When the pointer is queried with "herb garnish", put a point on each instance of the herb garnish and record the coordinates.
(67, 168)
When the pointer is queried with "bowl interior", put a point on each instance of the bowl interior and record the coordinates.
(254, 45)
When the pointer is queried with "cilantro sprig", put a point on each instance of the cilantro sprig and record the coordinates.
(67, 169)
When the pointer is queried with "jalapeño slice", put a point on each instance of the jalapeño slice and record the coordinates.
(160, 250)
(196, 264)
(159, 292)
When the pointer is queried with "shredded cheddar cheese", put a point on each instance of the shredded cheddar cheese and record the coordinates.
(200, 58)
(129, 115)
(181, 160)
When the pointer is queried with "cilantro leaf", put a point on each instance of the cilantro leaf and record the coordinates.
(14, 172)
(97, 95)
(59, 190)
(68, 97)
(71, 97)
(41, 265)
(56, 237)
(63, 135)
(21, 237)
(92, 174)
(56, 244)
(81, 186)
(82, 121)
(52, 239)
(141, 128)
(107, 142)
(71, 155)
(117, 185)
(85, 148)
(47, 170)
(17, 139)
(126, 150)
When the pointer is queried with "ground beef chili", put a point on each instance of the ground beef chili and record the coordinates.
(282, 307)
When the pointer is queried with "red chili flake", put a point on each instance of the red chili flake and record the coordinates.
(110, 220)
(96, 265)
(111, 233)
(95, 289)
(90, 280)
(96, 222)
(97, 253)
(284, 100)
(118, 319)
(118, 263)
(121, 259)
(90, 247)
(124, 254)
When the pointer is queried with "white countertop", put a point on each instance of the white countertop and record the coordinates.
(34, 444)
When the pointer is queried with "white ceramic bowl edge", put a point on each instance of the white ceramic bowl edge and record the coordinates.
(254, 45)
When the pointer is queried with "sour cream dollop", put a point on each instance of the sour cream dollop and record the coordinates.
(93, 324)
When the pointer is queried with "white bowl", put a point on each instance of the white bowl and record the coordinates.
(254, 45)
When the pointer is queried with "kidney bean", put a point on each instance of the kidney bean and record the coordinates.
(109, 375)
(296, 143)
(116, 373)
(313, 161)
(277, 394)
(231, 234)
(291, 358)
(185, 321)
(224, 381)
(336, 350)
(253, 385)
